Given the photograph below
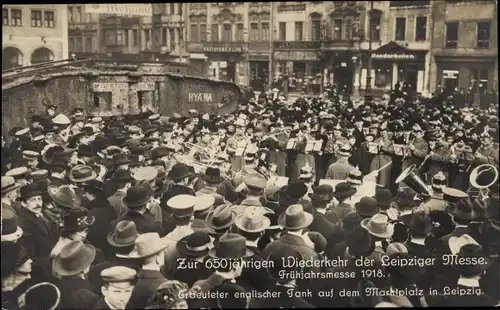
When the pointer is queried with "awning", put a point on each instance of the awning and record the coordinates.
(392, 50)
(198, 56)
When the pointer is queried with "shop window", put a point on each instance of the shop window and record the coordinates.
(239, 32)
(78, 44)
(299, 28)
(316, 30)
(421, 28)
(282, 31)
(227, 32)
(125, 37)
(400, 31)
(254, 31)
(36, 18)
(337, 29)
(203, 33)
(164, 36)
(375, 28)
(103, 100)
(451, 35)
(193, 32)
(479, 80)
(383, 75)
(483, 34)
(88, 44)
(264, 31)
(214, 33)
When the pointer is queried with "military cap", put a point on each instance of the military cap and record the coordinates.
(118, 274)
(453, 195)
(61, 119)
(146, 173)
(40, 174)
(96, 120)
(204, 202)
(17, 172)
(182, 205)
(154, 117)
(30, 155)
(255, 181)
(22, 132)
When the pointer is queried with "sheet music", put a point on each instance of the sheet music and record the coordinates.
(318, 144)
(309, 146)
(399, 149)
(372, 148)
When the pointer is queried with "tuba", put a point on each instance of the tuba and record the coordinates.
(482, 178)
(410, 177)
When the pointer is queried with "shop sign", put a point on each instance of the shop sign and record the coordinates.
(200, 97)
(450, 74)
(296, 56)
(394, 56)
(291, 7)
(222, 49)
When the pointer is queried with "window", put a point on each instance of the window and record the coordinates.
(227, 32)
(16, 18)
(71, 43)
(164, 37)
(5, 15)
(134, 37)
(348, 29)
(400, 33)
(421, 28)
(265, 31)
(70, 14)
(214, 33)
(179, 9)
(172, 8)
(78, 44)
(78, 14)
(193, 32)
(48, 18)
(282, 31)
(451, 34)
(375, 28)
(147, 38)
(115, 37)
(125, 37)
(172, 38)
(337, 29)
(88, 44)
(483, 34)
(254, 32)
(36, 18)
(203, 33)
(315, 30)
(239, 32)
(299, 28)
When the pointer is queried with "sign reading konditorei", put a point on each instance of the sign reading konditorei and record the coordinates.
(200, 97)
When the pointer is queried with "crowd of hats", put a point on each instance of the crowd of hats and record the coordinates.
(295, 221)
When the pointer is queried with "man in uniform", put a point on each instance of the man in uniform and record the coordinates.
(437, 202)
(341, 168)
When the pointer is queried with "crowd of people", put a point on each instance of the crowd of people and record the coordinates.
(278, 204)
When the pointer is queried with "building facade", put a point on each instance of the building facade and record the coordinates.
(464, 46)
(231, 41)
(400, 36)
(33, 34)
(159, 36)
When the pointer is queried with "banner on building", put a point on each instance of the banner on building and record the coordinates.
(120, 9)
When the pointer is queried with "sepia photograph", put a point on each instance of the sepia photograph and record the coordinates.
(234, 155)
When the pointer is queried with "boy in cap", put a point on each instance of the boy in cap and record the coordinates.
(118, 284)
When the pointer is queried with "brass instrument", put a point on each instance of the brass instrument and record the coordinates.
(407, 150)
(481, 179)
(410, 177)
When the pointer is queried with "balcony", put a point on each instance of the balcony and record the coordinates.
(296, 45)
(217, 47)
(339, 44)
